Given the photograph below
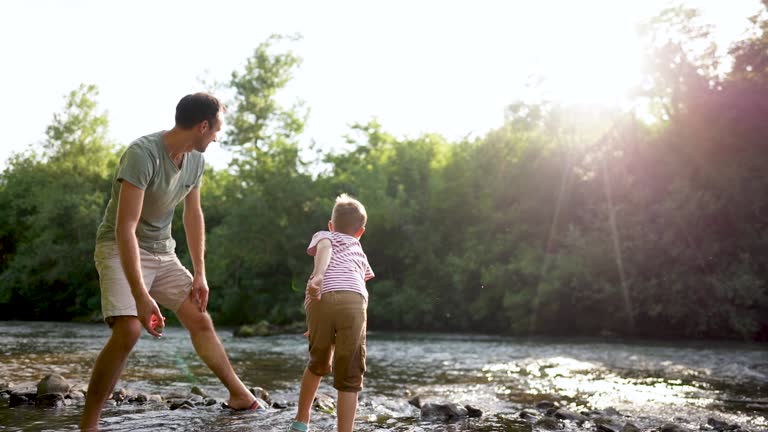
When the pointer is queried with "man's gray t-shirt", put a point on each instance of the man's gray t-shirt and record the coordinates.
(146, 165)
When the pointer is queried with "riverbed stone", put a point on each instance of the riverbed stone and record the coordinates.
(606, 427)
(198, 391)
(415, 401)
(281, 405)
(545, 404)
(473, 412)
(446, 411)
(717, 424)
(53, 383)
(548, 423)
(672, 427)
(50, 400)
(261, 394)
(565, 414)
(629, 427)
(261, 328)
(528, 415)
(324, 403)
(139, 398)
(175, 395)
(121, 395)
(79, 387)
(22, 397)
(183, 404)
(76, 395)
(196, 399)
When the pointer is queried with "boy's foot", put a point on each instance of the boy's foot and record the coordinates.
(298, 426)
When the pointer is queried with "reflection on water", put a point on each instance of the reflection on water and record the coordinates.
(652, 383)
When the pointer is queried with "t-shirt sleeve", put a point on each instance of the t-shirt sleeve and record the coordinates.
(368, 272)
(312, 248)
(201, 170)
(136, 167)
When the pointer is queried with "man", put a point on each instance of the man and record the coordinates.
(135, 256)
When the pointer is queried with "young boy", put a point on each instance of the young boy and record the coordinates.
(336, 305)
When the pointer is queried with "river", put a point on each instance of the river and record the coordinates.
(648, 382)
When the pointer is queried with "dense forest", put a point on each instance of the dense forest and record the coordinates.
(564, 220)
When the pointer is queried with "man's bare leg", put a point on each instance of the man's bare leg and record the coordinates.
(211, 351)
(110, 363)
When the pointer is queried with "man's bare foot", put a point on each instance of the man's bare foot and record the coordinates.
(243, 403)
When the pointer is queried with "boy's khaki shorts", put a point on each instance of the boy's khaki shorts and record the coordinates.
(168, 282)
(337, 325)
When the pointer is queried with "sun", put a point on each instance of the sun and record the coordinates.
(591, 55)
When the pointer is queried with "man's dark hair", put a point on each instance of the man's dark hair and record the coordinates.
(195, 108)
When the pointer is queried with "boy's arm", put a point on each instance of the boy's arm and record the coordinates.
(322, 259)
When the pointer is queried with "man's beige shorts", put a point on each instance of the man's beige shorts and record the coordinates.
(168, 282)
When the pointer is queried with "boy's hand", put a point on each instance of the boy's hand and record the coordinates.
(314, 286)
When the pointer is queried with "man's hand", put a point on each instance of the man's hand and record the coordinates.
(314, 286)
(200, 291)
(147, 308)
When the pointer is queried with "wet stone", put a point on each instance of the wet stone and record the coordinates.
(548, 423)
(50, 400)
(121, 395)
(473, 412)
(196, 399)
(53, 383)
(565, 414)
(324, 403)
(671, 427)
(198, 391)
(261, 394)
(545, 404)
(139, 398)
(77, 395)
(280, 405)
(22, 398)
(415, 401)
(606, 428)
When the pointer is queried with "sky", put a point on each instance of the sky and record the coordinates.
(448, 67)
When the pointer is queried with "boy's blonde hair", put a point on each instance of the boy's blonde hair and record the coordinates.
(348, 215)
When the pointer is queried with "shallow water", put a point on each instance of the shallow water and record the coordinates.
(650, 383)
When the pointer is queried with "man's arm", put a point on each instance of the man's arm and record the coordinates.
(129, 208)
(194, 227)
(322, 259)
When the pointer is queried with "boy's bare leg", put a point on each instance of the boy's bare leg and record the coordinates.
(346, 410)
(110, 363)
(211, 351)
(309, 384)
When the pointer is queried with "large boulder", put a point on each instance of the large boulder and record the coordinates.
(261, 328)
(53, 383)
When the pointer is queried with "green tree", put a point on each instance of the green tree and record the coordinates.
(53, 200)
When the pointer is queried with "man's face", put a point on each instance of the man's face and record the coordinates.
(208, 133)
